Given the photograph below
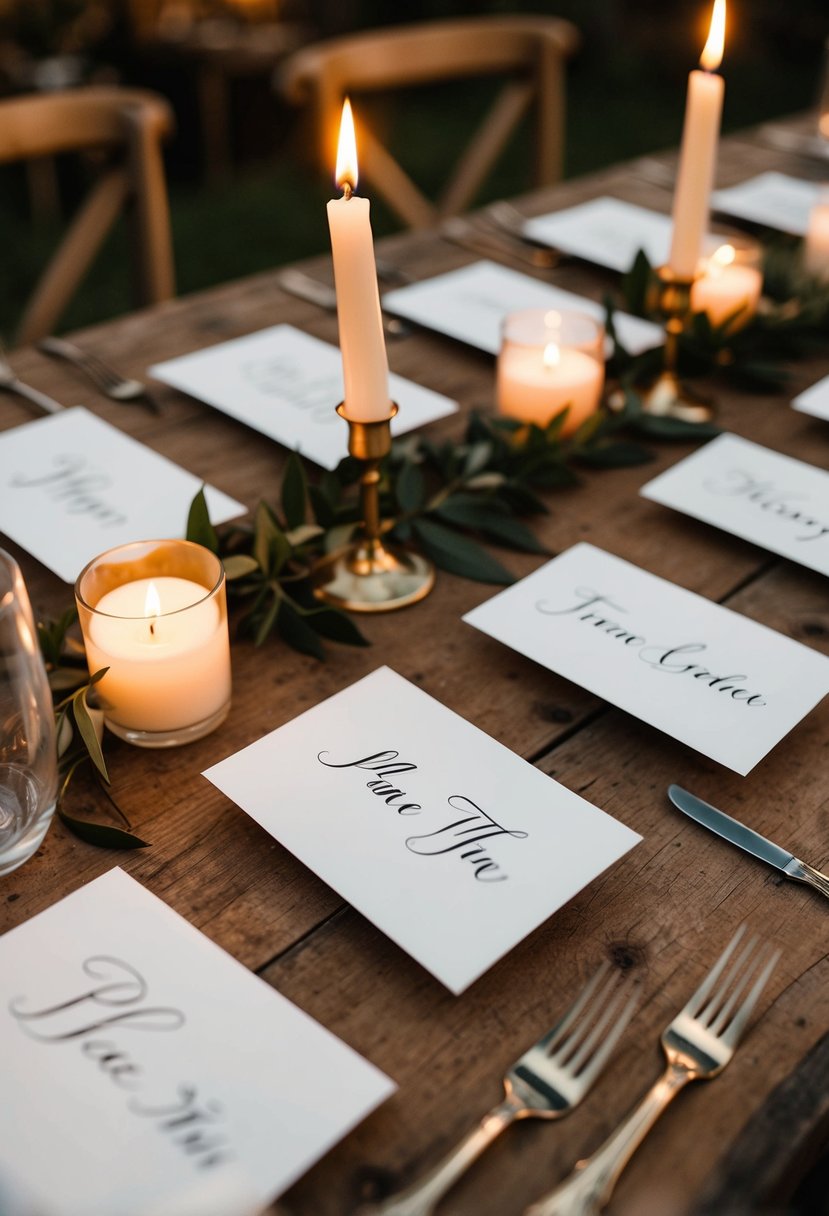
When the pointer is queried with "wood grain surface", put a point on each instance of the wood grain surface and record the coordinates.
(664, 912)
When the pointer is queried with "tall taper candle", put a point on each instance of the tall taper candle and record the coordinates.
(698, 155)
(363, 347)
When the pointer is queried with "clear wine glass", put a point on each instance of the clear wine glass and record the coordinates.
(28, 758)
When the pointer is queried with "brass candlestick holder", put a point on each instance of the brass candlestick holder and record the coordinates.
(668, 396)
(368, 575)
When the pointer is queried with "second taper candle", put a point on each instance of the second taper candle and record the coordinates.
(698, 154)
(363, 347)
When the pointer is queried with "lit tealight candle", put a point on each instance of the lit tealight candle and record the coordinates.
(728, 287)
(363, 347)
(816, 247)
(163, 639)
(697, 158)
(545, 366)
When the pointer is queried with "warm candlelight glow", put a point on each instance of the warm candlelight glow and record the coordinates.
(712, 52)
(152, 604)
(723, 256)
(346, 171)
(552, 355)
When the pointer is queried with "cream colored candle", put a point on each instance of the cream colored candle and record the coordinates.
(363, 347)
(816, 248)
(165, 643)
(698, 154)
(536, 383)
(727, 288)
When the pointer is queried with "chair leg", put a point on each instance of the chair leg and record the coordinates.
(69, 265)
(156, 275)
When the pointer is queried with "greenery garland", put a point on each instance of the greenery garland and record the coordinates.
(447, 499)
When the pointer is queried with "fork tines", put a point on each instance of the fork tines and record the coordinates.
(736, 976)
(579, 1045)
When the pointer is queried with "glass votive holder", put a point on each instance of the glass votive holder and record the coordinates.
(155, 614)
(729, 282)
(550, 361)
(28, 755)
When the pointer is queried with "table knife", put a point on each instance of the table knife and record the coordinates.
(747, 839)
(297, 283)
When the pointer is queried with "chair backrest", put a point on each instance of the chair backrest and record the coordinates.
(125, 129)
(529, 51)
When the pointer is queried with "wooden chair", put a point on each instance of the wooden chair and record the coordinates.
(121, 131)
(529, 51)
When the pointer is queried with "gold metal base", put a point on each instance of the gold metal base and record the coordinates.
(376, 579)
(369, 576)
(668, 397)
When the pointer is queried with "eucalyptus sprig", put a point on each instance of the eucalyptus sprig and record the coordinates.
(79, 728)
(448, 499)
(792, 323)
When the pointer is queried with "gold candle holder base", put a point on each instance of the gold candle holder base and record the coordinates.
(369, 575)
(668, 397)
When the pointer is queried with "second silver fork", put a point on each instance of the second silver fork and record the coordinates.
(547, 1082)
(698, 1044)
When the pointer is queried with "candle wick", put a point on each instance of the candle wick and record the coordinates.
(347, 190)
(152, 629)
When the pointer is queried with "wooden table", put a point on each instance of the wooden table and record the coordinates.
(666, 910)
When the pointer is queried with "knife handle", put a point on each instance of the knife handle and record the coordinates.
(801, 871)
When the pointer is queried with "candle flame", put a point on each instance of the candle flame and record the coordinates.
(346, 171)
(712, 52)
(152, 604)
(724, 256)
(552, 355)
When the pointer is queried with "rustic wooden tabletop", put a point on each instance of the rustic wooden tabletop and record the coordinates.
(665, 910)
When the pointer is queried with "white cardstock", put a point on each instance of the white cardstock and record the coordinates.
(772, 500)
(814, 400)
(145, 1071)
(72, 486)
(470, 305)
(451, 844)
(723, 684)
(287, 385)
(772, 199)
(605, 231)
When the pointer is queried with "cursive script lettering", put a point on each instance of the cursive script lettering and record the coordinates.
(307, 391)
(192, 1127)
(78, 486)
(766, 496)
(466, 834)
(658, 656)
(382, 763)
(462, 834)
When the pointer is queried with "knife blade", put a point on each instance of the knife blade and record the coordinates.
(747, 839)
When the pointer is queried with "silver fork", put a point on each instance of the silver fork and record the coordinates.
(493, 241)
(547, 1082)
(698, 1044)
(101, 374)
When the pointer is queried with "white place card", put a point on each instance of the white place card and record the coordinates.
(772, 199)
(723, 684)
(145, 1071)
(470, 305)
(814, 400)
(287, 385)
(772, 500)
(606, 231)
(450, 843)
(72, 486)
